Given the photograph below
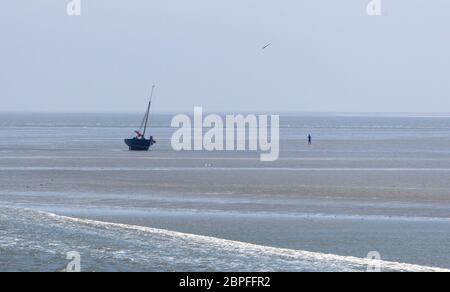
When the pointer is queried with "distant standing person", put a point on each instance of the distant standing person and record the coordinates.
(309, 139)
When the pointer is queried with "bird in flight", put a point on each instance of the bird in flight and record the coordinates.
(266, 46)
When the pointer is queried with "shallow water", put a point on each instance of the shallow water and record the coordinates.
(366, 184)
(38, 241)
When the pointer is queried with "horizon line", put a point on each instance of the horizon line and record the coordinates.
(235, 112)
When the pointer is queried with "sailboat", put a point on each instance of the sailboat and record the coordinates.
(139, 142)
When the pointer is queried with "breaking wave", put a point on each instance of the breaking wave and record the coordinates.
(37, 241)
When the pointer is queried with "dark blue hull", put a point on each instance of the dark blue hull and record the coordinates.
(138, 144)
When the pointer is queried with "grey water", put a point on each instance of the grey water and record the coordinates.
(368, 183)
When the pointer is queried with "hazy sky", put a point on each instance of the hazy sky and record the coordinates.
(326, 55)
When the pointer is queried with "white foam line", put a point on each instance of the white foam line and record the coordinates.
(304, 255)
(220, 158)
(300, 169)
(260, 214)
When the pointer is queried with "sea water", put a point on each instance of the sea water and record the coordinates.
(368, 183)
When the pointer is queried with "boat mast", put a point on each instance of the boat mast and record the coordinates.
(148, 111)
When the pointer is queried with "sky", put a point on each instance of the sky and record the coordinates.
(325, 56)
